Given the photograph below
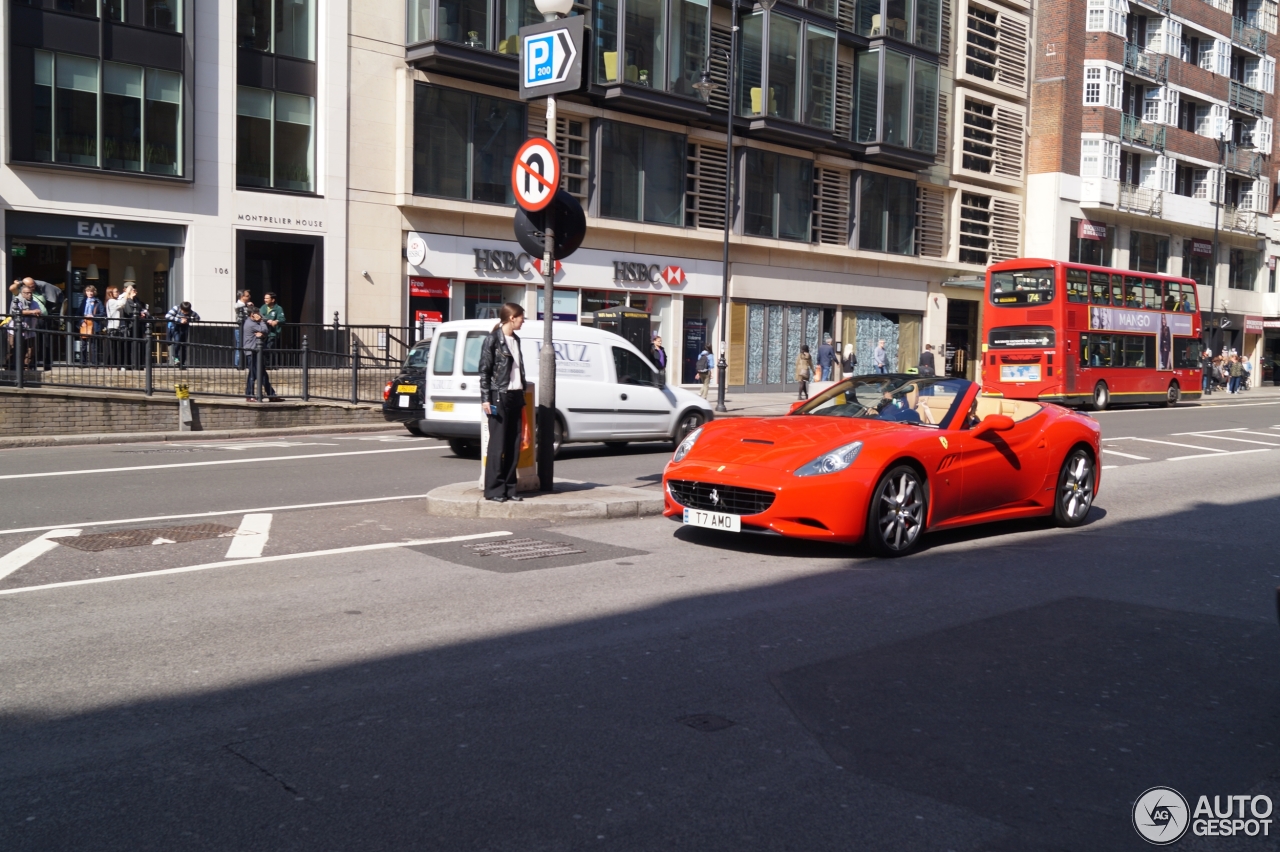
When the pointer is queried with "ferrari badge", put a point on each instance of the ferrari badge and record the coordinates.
(944, 441)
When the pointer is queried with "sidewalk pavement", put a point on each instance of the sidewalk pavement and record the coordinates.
(211, 435)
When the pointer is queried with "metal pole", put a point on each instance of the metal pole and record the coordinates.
(546, 415)
(144, 348)
(306, 386)
(355, 371)
(723, 366)
(1217, 206)
(19, 345)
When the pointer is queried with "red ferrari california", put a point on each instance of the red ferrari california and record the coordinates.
(884, 459)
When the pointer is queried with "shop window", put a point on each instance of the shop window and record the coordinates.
(274, 140)
(777, 196)
(798, 75)
(482, 301)
(886, 213)
(463, 144)
(897, 100)
(1090, 251)
(919, 22)
(642, 174)
(1243, 266)
(282, 27)
(651, 43)
(1148, 252)
(1195, 265)
(140, 109)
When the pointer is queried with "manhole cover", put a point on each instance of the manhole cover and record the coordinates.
(706, 722)
(522, 549)
(136, 538)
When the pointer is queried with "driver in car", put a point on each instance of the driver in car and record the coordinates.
(895, 408)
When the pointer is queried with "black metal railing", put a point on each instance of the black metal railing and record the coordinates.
(137, 358)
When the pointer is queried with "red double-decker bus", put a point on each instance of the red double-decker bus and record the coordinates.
(1089, 336)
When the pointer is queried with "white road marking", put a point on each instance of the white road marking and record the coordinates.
(1209, 431)
(1125, 455)
(1110, 466)
(1240, 440)
(234, 563)
(1219, 454)
(163, 540)
(17, 558)
(215, 514)
(219, 461)
(251, 538)
(1187, 446)
(263, 445)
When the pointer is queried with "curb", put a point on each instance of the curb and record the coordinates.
(212, 435)
(466, 500)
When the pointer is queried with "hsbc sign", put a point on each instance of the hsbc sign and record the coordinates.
(627, 271)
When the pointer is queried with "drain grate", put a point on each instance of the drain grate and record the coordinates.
(522, 549)
(706, 722)
(136, 538)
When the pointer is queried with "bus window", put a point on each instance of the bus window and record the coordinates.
(1099, 288)
(1132, 291)
(1172, 296)
(1135, 350)
(1095, 350)
(1188, 298)
(1186, 353)
(1152, 294)
(1022, 286)
(1077, 285)
(1117, 291)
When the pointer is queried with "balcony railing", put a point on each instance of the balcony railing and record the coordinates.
(1137, 132)
(1141, 200)
(1241, 97)
(1244, 161)
(1248, 36)
(1161, 6)
(1240, 219)
(1153, 66)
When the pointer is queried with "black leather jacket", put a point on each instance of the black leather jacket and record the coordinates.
(495, 367)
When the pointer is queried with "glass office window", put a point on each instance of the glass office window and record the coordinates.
(751, 72)
(795, 198)
(690, 24)
(868, 99)
(113, 10)
(918, 21)
(895, 122)
(512, 15)
(463, 21)
(641, 174)
(294, 142)
(76, 110)
(928, 18)
(121, 116)
(646, 40)
(896, 100)
(163, 152)
(664, 44)
(820, 77)
(497, 134)
(164, 15)
(463, 145)
(284, 27)
(606, 30)
(886, 213)
(253, 137)
(924, 100)
(784, 68)
(253, 24)
(777, 196)
(42, 108)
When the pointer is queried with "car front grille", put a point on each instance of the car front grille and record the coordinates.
(720, 498)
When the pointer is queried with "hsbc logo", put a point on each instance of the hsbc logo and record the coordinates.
(626, 272)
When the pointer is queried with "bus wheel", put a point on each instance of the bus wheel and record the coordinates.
(1171, 398)
(1101, 396)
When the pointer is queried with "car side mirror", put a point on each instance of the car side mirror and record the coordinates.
(993, 423)
(795, 405)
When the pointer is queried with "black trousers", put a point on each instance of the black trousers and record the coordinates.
(503, 454)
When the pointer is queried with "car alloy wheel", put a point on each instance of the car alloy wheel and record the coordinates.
(1075, 489)
(897, 513)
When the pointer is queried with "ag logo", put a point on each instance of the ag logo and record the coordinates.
(1160, 816)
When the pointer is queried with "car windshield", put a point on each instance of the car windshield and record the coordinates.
(900, 399)
(417, 359)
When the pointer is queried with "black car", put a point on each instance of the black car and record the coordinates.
(402, 397)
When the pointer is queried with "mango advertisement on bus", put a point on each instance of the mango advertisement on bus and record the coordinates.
(1149, 322)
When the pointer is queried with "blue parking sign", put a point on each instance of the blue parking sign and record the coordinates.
(551, 57)
(538, 65)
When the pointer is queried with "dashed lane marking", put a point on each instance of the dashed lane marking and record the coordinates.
(1125, 455)
(1219, 454)
(1240, 440)
(19, 557)
(251, 537)
(235, 563)
(1174, 444)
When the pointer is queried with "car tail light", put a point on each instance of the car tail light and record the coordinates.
(386, 392)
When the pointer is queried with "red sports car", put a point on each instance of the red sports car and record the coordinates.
(886, 458)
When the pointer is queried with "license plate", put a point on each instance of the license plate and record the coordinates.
(442, 406)
(1019, 372)
(713, 520)
(406, 401)
(406, 388)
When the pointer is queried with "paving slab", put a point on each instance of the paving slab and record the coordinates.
(568, 500)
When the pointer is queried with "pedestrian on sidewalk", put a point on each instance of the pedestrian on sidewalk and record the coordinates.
(927, 366)
(706, 363)
(273, 316)
(658, 355)
(1236, 373)
(180, 318)
(850, 359)
(804, 370)
(1206, 371)
(881, 358)
(25, 313)
(1247, 365)
(826, 360)
(502, 387)
(254, 334)
(93, 320)
(244, 308)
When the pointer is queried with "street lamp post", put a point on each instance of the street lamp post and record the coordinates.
(705, 87)
(1217, 207)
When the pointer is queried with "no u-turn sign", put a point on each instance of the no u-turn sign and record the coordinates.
(535, 174)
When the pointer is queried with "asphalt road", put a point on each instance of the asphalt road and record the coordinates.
(1013, 687)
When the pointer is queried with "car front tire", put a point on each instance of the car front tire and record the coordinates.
(1077, 482)
(898, 511)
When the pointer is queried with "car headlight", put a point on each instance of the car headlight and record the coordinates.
(837, 459)
(686, 445)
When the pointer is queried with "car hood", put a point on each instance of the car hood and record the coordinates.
(784, 443)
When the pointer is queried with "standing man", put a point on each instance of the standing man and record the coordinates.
(180, 318)
(26, 313)
(1206, 371)
(927, 365)
(706, 362)
(255, 343)
(91, 327)
(502, 388)
(826, 360)
(658, 355)
(273, 316)
(244, 309)
(49, 298)
(880, 358)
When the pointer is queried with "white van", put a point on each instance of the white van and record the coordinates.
(606, 390)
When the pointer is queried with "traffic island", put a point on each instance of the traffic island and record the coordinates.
(568, 500)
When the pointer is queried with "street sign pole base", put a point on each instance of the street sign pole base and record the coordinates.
(546, 432)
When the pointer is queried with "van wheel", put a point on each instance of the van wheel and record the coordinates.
(616, 446)
(464, 449)
(1101, 397)
(689, 421)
